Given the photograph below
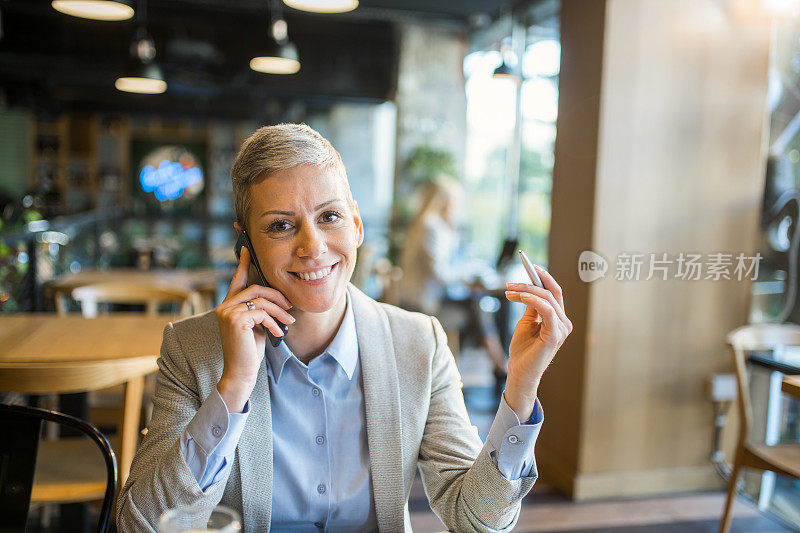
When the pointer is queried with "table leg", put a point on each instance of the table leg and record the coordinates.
(128, 427)
(76, 405)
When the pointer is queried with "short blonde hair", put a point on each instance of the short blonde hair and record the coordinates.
(274, 148)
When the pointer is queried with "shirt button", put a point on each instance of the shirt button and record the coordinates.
(315, 392)
(320, 439)
(513, 439)
(321, 488)
(216, 431)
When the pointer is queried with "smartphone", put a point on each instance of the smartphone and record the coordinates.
(244, 240)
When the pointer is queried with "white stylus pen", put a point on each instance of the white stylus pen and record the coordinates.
(530, 270)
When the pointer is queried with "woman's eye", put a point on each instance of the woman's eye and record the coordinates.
(331, 216)
(278, 226)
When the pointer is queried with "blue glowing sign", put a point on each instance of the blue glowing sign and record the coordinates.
(170, 179)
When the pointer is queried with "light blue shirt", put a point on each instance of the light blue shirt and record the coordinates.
(321, 476)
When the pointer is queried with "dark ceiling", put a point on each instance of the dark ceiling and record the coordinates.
(50, 61)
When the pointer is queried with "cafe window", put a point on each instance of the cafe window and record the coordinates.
(500, 205)
(490, 129)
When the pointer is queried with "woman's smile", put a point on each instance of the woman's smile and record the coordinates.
(316, 277)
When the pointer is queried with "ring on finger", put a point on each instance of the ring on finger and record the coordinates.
(250, 305)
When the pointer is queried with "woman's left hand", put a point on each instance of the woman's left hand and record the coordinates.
(539, 334)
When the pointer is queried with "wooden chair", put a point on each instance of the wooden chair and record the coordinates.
(104, 404)
(783, 459)
(66, 459)
(19, 456)
(130, 292)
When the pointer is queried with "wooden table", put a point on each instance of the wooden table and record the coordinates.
(42, 346)
(47, 338)
(791, 386)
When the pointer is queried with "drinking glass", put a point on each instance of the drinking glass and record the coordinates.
(184, 520)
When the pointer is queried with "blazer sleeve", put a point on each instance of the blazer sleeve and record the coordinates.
(465, 488)
(160, 478)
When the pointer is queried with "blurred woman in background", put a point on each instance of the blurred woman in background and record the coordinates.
(428, 269)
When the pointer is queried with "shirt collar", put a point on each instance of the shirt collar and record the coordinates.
(343, 348)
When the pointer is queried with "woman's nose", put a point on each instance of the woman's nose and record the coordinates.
(311, 245)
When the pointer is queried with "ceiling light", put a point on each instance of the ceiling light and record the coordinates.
(280, 55)
(279, 59)
(95, 9)
(323, 6)
(141, 84)
(142, 75)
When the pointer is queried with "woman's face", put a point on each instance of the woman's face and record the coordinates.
(305, 234)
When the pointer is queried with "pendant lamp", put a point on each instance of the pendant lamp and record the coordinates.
(323, 6)
(95, 9)
(279, 55)
(142, 75)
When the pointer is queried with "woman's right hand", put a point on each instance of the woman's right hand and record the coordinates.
(243, 339)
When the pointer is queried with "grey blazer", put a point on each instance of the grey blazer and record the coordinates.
(415, 419)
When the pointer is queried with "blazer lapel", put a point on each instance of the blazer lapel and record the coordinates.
(255, 457)
(382, 402)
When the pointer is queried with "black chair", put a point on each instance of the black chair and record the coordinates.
(22, 429)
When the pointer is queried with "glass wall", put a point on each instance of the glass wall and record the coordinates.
(490, 130)
(494, 104)
(539, 103)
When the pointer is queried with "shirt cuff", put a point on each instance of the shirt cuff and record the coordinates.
(214, 429)
(510, 443)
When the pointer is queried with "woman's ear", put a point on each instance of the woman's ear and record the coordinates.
(237, 227)
(359, 224)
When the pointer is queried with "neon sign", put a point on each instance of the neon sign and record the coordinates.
(170, 173)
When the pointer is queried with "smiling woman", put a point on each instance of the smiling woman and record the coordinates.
(291, 193)
(305, 232)
(326, 430)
